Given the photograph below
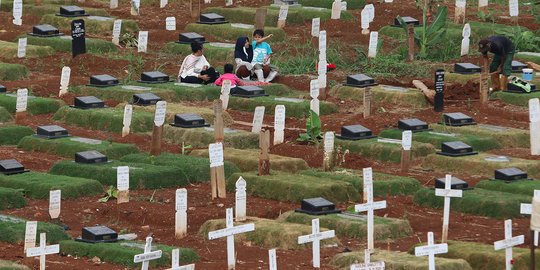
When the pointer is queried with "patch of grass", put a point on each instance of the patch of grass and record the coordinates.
(9, 50)
(66, 147)
(123, 252)
(478, 143)
(5, 116)
(91, 26)
(11, 198)
(12, 72)
(268, 233)
(507, 137)
(36, 105)
(7, 5)
(8, 265)
(527, 58)
(351, 4)
(408, 97)
(212, 53)
(12, 230)
(293, 109)
(201, 137)
(117, 93)
(12, 134)
(393, 66)
(294, 187)
(391, 152)
(228, 33)
(524, 187)
(248, 160)
(63, 44)
(516, 99)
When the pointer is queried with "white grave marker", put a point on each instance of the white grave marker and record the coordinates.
(215, 153)
(447, 193)
(228, 3)
(482, 3)
(272, 259)
(322, 80)
(113, 4)
(322, 41)
(526, 209)
(283, 11)
(170, 24)
(329, 138)
(142, 41)
(336, 10)
(225, 93)
(315, 238)
(64, 81)
(17, 12)
(161, 111)
(258, 117)
(370, 12)
(128, 113)
(534, 125)
(241, 199)
(55, 198)
(148, 255)
(30, 235)
(514, 8)
(22, 100)
(229, 232)
(117, 27)
(368, 265)
(135, 7)
(181, 213)
(315, 27)
(43, 250)
(508, 243)
(279, 124)
(369, 206)
(314, 93)
(163, 3)
(406, 140)
(431, 250)
(21, 50)
(466, 39)
(175, 262)
(364, 21)
(373, 42)
(122, 178)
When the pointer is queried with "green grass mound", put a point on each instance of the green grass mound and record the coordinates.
(349, 226)
(351, 4)
(229, 33)
(202, 137)
(5, 116)
(68, 147)
(8, 265)
(407, 97)
(92, 26)
(9, 50)
(212, 52)
(523, 187)
(478, 143)
(123, 252)
(109, 119)
(248, 160)
(122, 93)
(12, 230)
(12, 134)
(141, 175)
(294, 187)
(527, 58)
(507, 137)
(268, 233)
(36, 105)
(477, 165)
(390, 152)
(477, 202)
(12, 72)
(63, 44)
(293, 109)
(397, 261)
(11, 198)
(38, 185)
(383, 184)
(194, 169)
(516, 99)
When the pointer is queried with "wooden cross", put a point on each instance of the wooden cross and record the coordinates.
(218, 121)
(157, 133)
(217, 170)
(175, 264)
(315, 238)
(430, 250)
(229, 232)
(369, 206)
(148, 255)
(43, 250)
(508, 242)
(447, 193)
(526, 209)
(368, 265)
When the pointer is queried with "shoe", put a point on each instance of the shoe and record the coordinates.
(271, 76)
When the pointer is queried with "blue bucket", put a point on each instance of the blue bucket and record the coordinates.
(527, 74)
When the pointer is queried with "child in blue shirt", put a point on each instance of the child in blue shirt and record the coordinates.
(261, 57)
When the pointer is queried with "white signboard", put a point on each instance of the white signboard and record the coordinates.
(241, 199)
(228, 3)
(461, 3)
(370, 8)
(122, 178)
(322, 80)
(315, 27)
(128, 113)
(163, 3)
(373, 41)
(21, 50)
(315, 238)
(64, 80)
(181, 213)
(508, 243)
(279, 124)
(364, 20)
(534, 110)
(142, 41)
(406, 140)
(170, 23)
(17, 12)
(117, 27)
(181, 199)
(225, 93)
(113, 4)
(161, 110)
(322, 40)
(336, 10)
(329, 141)
(482, 3)
(22, 100)
(514, 8)
(283, 11)
(215, 152)
(465, 42)
(148, 255)
(55, 197)
(30, 234)
(258, 117)
(272, 259)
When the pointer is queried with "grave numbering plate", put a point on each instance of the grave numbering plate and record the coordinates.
(360, 80)
(88, 102)
(71, 11)
(355, 132)
(103, 80)
(145, 99)
(211, 18)
(248, 91)
(457, 119)
(154, 77)
(466, 68)
(510, 174)
(413, 124)
(11, 166)
(456, 149)
(97, 234)
(188, 38)
(45, 30)
(317, 206)
(407, 20)
(456, 183)
(189, 120)
(51, 132)
(90, 157)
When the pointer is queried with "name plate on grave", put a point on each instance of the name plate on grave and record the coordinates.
(86, 140)
(136, 88)
(293, 100)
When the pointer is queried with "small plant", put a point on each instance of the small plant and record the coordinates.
(134, 67)
(186, 148)
(486, 16)
(524, 40)
(313, 128)
(129, 40)
(112, 192)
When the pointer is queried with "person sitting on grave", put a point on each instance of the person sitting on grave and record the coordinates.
(503, 50)
(195, 68)
(243, 55)
(228, 75)
(261, 57)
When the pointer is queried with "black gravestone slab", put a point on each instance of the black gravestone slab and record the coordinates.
(51, 132)
(71, 11)
(188, 38)
(413, 124)
(78, 35)
(518, 66)
(407, 20)
(360, 80)
(290, 2)
(11, 166)
(45, 30)
(90, 157)
(3, 89)
(211, 18)
(456, 183)
(145, 99)
(317, 206)
(88, 102)
(439, 91)
(457, 119)
(510, 174)
(103, 80)
(511, 88)
(355, 132)
(466, 68)
(248, 91)
(98, 234)
(154, 77)
(189, 120)
(456, 149)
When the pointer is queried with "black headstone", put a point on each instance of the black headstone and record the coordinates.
(317, 206)
(248, 91)
(145, 99)
(407, 20)
(188, 38)
(355, 132)
(457, 119)
(456, 183)
(518, 66)
(466, 68)
(103, 80)
(290, 2)
(98, 234)
(439, 90)
(3, 89)
(518, 90)
(360, 80)
(154, 77)
(45, 30)
(189, 120)
(90, 157)
(78, 34)
(71, 11)
(413, 124)
(211, 18)
(11, 166)
(456, 149)
(510, 174)
(51, 132)
(88, 102)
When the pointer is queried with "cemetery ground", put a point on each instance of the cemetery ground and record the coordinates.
(151, 211)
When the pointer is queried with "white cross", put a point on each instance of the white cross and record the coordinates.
(148, 255)
(447, 193)
(430, 250)
(42, 250)
(315, 237)
(508, 242)
(368, 265)
(272, 260)
(526, 209)
(175, 264)
(229, 232)
(370, 205)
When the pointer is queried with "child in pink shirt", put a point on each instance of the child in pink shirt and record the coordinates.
(228, 75)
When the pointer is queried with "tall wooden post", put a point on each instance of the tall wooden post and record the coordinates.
(410, 32)
(484, 85)
(264, 157)
(260, 18)
(218, 121)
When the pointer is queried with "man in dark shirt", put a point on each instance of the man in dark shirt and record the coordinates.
(501, 66)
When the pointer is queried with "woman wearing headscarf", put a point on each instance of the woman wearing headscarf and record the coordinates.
(243, 54)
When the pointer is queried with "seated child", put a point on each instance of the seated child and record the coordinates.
(228, 75)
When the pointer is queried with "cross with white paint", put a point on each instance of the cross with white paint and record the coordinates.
(509, 242)
(175, 257)
(430, 250)
(315, 237)
(229, 232)
(447, 193)
(42, 250)
(370, 205)
(272, 260)
(148, 255)
(368, 265)
(526, 209)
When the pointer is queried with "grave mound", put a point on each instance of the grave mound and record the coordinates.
(11, 198)
(12, 230)
(294, 108)
(12, 134)
(12, 72)
(351, 4)
(201, 137)
(507, 137)
(36, 105)
(5, 116)
(227, 32)
(63, 44)
(384, 151)
(211, 51)
(9, 50)
(406, 97)
(523, 187)
(93, 24)
(8, 265)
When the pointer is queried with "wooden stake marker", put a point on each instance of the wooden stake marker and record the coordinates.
(122, 184)
(55, 199)
(282, 19)
(459, 16)
(410, 41)
(148, 255)
(328, 160)
(117, 28)
(315, 238)
(508, 243)
(43, 250)
(279, 124)
(157, 133)
(175, 258)
(258, 117)
(367, 102)
(217, 171)
(264, 157)
(431, 250)
(218, 121)
(128, 113)
(225, 94)
(180, 228)
(21, 105)
(406, 143)
(447, 193)
(30, 235)
(369, 206)
(64, 81)
(484, 87)
(241, 199)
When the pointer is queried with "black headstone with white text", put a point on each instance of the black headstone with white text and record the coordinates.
(439, 90)
(78, 43)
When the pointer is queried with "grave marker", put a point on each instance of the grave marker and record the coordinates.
(272, 260)
(279, 124)
(64, 81)
(364, 21)
(322, 44)
(526, 209)
(438, 100)
(21, 105)
(142, 41)
(466, 39)
(484, 88)
(21, 49)
(367, 95)
(315, 27)
(128, 113)
(328, 160)
(283, 11)
(370, 11)
(117, 27)
(373, 42)
(258, 117)
(369, 206)
(163, 3)
(534, 125)
(180, 227)
(228, 3)
(122, 184)
(264, 157)
(447, 193)
(218, 121)
(482, 5)
(113, 4)
(314, 93)
(513, 5)
(260, 18)
(315, 238)
(459, 16)
(410, 41)
(43, 250)
(170, 24)
(217, 173)
(508, 243)
(229, 232)
(78, 37)
(135, 7)
(336, 10)
(30, 235)
(241, 199)
(406, 143)
(157, 133)
(55, 198)
(175, 262)
(368, 265)
(17, 12)
(430, 250)
(148, 255)
(225, 94)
